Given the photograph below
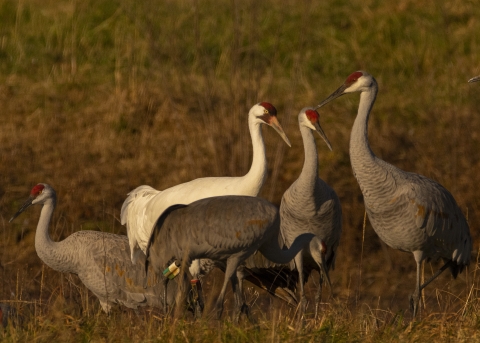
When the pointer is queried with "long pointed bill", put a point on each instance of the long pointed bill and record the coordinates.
(322, 134)
(323, 266)
(475, 79)
(26, 205)
(333, 96)
(276, 125)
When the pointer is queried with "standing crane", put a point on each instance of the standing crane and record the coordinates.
(408, 211)
(101, 260)
(144, 205)
(311, 205)
(475, 79)
(225, 229)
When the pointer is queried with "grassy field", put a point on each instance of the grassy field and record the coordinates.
(98, 97)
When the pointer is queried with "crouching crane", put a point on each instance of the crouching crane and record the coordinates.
(408, 211)
(101, 260)
(225, 229)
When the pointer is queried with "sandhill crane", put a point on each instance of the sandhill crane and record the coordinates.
(227, 230)
(408, 211)
(144, 205)
(311, 205)
(101, 260)
(474, 79)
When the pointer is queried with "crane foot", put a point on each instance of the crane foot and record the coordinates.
(414, 301)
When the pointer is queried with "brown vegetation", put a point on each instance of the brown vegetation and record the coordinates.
(99, 97)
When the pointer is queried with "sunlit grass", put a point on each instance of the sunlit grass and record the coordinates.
(99, 97)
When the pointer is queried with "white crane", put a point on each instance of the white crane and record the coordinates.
(227, 230)
(408, 211)
(311, 205)
(474, 79)
(101, 260)
(144, 205)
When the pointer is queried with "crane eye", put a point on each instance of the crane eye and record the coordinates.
(265, 111)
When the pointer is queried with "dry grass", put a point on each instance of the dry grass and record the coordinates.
(98, 97)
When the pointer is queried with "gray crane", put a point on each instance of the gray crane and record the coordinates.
(475, 79)
(408, 211)
(101, 260)
(227, 230)
(311, 205)
(144, 205)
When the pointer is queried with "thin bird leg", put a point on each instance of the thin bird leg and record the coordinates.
(165, 283)
(197, 297)
(323, 273)
(230, 270)
(414, 299)
(434, 276)
(240, 305)
(303, 299)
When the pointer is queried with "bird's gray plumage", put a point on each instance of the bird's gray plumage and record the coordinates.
(408, 211)
(474, 79)
(311, 205)
(101, 260)
(225, 229)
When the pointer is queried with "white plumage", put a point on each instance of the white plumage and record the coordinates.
(144, 205)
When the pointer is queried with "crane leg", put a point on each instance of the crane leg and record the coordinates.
(230, 270)
(302, 306)
(415, 297)
(323, 273)
(240, 305)
(197, 297)
(434, 276)
(165, 307)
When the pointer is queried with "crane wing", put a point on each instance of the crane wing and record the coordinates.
(112, 276)
(435, 210)
(135, 216)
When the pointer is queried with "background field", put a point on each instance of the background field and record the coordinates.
(98, 97)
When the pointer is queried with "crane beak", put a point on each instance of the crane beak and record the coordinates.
(339, 92)
(26, 205)
(475, 79)
(322, 134)
(276, 125)
(324, 271)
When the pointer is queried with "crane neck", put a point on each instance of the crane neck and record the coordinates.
(51, 253)
(309, 173)
(360, 151)
(257, 174)
(374, 176)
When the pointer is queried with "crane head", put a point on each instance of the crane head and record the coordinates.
(359, 81)
(38, 195)
(310, 118)
(475, 79)
(266, 113)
